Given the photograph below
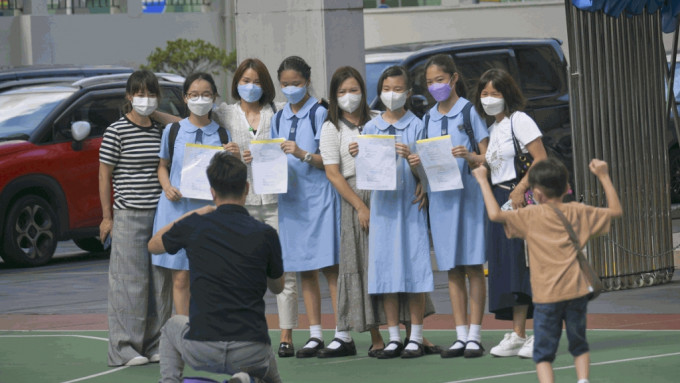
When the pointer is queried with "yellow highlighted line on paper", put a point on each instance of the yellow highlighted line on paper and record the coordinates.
(268, 141)
(446, 137)
(392, 136)
(204, 146)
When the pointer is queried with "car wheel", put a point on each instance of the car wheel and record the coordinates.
(90, 244)
(674, 166)
(30, 236)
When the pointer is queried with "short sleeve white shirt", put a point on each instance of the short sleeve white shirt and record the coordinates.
(334, 145)
(500, 153)
(232, 117)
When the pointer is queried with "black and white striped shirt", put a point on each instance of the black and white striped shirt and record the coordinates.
(133, 152)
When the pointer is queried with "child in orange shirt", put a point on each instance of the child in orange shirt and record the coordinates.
(560, 289)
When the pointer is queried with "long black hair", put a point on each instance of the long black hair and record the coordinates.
(340, 75)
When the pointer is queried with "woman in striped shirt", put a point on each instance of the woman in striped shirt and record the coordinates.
(139, 296)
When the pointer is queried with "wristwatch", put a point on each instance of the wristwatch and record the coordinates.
(307, 157)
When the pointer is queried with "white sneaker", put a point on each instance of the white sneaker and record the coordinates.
(527, 350)
(240, 377)
(509, 346)
(155, 358)
(137, 361)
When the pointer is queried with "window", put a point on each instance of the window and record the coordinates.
(537, 71)
(99, 110)
(473, 64)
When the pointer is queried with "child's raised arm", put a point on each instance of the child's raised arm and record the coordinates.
(601, 170)
(493, 210)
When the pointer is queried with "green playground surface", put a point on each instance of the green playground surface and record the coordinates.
(616, 356)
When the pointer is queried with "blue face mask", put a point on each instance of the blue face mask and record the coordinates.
(250, 92)
(294, 94)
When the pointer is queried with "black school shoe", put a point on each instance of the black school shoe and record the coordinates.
(389, 354)
(374, 353)
(428, 350)
(473, 353)
(345, 349)
(286, 350)
(310, 352)
(454, 352)
(417, 353)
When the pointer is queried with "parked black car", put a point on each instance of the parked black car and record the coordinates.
(41, 74)
(537, 64)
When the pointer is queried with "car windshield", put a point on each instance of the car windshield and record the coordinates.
(21, 113)
(373, 72)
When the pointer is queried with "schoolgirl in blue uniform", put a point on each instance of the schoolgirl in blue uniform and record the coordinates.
(399, 248)
(309, 213)
(457, 217)
(200, 92)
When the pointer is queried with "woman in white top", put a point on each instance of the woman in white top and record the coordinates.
(357, 310)
(246, 120)
(509, 288)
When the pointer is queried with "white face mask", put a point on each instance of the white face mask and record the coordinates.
(492, 105)
(201, 106)
(393, 100)
(349, 102)
(144, 106)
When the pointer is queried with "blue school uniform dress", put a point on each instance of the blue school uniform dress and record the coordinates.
(167, 210)
(398, 244)
(309, 213)
(458, 217)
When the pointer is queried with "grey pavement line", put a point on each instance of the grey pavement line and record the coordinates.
(615, 361)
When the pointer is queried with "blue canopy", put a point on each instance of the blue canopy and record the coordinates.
(669, 9)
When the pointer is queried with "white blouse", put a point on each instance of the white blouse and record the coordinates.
(334, 145)
(233, 118)
(500, 153)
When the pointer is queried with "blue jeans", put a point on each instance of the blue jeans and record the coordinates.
(548, 319)
(255, 358)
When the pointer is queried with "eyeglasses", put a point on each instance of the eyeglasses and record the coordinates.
(195, 96)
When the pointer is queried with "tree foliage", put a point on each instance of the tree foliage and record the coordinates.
(184, 57)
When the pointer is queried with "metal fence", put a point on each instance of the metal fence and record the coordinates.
(78, 4)
(617, 68)
(176, 2)
(10, 5)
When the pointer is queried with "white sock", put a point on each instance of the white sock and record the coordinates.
(416, 336)
(462, 333)
(314, 332)
(342, 335)
(475, 332)
(583, 381)
(395, 336)
(462, 336)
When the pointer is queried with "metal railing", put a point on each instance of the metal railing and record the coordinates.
(7, 6)
(77, 4)
(176, 2)
(617, 68)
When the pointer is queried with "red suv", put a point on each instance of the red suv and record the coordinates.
(49, 160)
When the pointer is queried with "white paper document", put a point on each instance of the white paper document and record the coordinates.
(376, 165)
(194, 181)
(440, 166)
(270, 167)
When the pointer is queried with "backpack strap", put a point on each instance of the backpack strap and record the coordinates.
(172, 137)
(467, 126)
(426, 122)
(312, 116)
(224, 136)
(278, 123)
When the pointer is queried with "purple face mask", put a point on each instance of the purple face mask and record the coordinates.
(440, 91)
